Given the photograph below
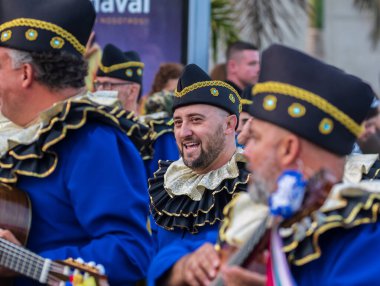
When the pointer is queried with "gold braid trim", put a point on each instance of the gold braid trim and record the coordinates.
(45, 148)
(246, 101)
(312, 98)
(120, 66)
(27, 22)
(208, 83)
(335, 221)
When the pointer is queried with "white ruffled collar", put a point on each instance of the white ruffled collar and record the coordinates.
(12, 134)
(181, 180)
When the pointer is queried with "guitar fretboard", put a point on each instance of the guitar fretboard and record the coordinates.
(244, 252)
(23, 261)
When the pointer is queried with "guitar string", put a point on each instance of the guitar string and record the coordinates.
(29, 260)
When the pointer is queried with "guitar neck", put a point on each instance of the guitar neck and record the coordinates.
(245, 251)
(25, 262)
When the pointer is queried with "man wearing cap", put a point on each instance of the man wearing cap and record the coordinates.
(307, 116)
(121, 71)
(188, 195)
(63, 150)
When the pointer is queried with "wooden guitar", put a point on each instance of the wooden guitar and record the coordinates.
(15, 215)
(317, 190)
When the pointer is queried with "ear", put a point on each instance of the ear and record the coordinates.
(231, 122)
(27, 75)
(231, 65)
(288, 150)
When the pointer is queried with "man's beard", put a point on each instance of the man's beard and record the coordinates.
(214, 147)
(265, 182)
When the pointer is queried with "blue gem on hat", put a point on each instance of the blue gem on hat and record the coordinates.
(129, 72)
(270, 102)
(6, 35)
(296, 110)
(57, 42)
(214, 91)
(31, 34)
(326, 126)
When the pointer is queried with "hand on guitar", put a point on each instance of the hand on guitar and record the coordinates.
(7, 235)
(196, 269)
(238, 276)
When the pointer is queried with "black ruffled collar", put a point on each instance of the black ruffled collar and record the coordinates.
(38, 160)
(301, 244)
(181, 212)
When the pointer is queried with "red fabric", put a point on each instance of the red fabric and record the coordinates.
(269, 271)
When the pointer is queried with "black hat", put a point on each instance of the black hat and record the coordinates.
(310, 98)
(195, 86)
(246, 97)
(122, 65)
(41, 25)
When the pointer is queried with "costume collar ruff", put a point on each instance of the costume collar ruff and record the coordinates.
(181, 180)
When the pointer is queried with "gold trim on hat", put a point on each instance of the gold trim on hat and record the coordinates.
(120, 66)
(246, 101)
(208, 83)
(313, 99)
(34, 23)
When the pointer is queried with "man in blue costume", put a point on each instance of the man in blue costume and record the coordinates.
(307, 116)
(67, 153)
(123, 72)
(188, 195)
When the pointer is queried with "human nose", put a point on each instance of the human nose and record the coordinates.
(185, 130)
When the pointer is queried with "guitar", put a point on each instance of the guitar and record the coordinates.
(317, 190)
(15, 215)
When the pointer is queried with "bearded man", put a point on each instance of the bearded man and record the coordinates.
(188, 195)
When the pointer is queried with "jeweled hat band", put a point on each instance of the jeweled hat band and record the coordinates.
(217, 93)
(303, 95)
(37, 35)
(306, 114)
(128, 69)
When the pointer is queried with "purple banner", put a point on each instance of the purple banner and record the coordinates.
(153, 28)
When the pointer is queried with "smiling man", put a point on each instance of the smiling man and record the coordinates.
(188, 195)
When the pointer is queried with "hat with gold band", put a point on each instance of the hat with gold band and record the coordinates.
(40, 25)
(122, 65)
(317, 101)
(196, 87)
(246, 97)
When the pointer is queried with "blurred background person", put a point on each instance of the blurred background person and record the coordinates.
(160, 97)
(219, 72)
(243, 65)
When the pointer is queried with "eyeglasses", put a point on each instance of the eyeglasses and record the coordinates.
(109, 85)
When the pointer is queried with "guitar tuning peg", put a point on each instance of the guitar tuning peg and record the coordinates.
(91, 264)
(101, 269)
(79, 260)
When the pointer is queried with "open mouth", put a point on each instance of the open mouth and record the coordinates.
(191, 145)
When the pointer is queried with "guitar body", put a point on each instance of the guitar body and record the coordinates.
(15, 215)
